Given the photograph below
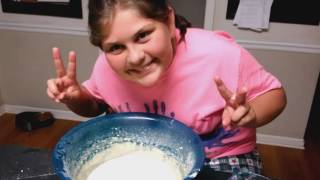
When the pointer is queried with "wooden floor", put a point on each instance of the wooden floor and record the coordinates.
(279, 162)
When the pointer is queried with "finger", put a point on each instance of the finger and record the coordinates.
(62, 96)
(50, 94)
(52, 87)
(239, 113)
(60, 84)
(238, 98)
(71, 70)
(73, 91)
(241, 96)
(226, 116)
(60, 71)
(248, 120)
(223, 90)
(245, 121)
(233, 100)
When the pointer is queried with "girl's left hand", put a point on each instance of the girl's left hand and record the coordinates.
(237, 112)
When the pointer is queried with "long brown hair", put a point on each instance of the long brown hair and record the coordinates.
(101, 13)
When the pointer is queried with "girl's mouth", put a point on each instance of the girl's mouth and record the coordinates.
(143, 70)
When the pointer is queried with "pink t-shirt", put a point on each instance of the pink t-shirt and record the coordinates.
(187, 90)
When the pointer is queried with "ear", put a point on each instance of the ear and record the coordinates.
(171, 22)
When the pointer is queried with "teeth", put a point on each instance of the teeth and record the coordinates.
(142, 69)
(146, 67)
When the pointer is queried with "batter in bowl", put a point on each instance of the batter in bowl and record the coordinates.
(130, 161)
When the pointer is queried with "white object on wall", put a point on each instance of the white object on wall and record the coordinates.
(253, 14)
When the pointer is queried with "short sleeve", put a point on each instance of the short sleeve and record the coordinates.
(92, 88)
(254, 77)
(91, 83)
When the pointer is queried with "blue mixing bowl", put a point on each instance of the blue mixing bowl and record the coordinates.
(81, 143)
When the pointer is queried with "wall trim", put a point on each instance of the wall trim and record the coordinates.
(68, 115)
(280, 141)
(44, 29)
(280, 46)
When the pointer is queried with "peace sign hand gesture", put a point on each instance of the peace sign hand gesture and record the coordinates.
(237, 112)
(65, 86)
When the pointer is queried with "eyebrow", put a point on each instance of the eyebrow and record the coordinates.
(142, 29)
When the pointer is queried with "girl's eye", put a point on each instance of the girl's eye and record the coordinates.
(115, 49)
(143, 36)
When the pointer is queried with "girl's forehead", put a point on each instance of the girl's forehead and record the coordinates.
(125, 24)
(121, 12)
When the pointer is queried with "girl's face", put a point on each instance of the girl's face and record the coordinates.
(139, 49)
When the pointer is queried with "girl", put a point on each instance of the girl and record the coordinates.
(153, 62)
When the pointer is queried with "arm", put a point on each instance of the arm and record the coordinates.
(268, 106)
(86, 105)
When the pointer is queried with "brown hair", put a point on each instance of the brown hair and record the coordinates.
(101, 13)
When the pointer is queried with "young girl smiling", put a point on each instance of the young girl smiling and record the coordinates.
(152, 61)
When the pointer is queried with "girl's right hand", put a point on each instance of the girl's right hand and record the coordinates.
(65, 87)
(237, 112)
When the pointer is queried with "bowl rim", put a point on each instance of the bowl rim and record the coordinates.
(57, 161)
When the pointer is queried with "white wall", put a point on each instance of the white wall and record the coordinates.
(27, 64)
(298, 72)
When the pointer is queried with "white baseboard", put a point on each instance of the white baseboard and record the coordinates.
(280, 141)
(68, 115)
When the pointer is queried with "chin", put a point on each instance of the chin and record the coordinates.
(146, 83)
(149, 80)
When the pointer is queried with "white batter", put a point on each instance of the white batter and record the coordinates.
(128, 161)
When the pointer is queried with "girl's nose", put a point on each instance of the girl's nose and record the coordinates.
(135, 56)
